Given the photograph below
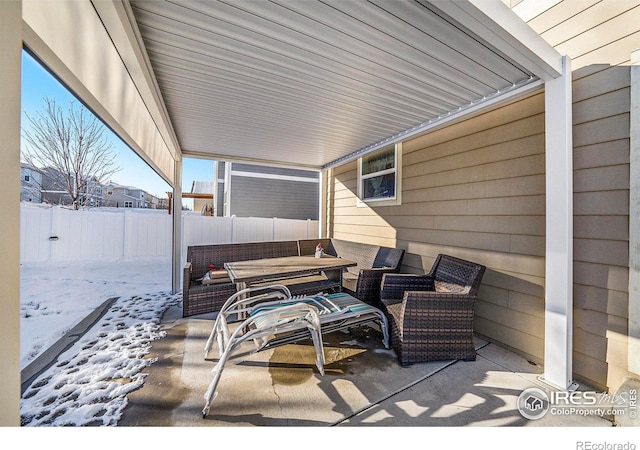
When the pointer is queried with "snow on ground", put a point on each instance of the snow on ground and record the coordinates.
(89, 382)
(55, 296)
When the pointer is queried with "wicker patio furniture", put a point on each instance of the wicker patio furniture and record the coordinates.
(268, 317)
(431, 316)
(200, 297)
(363, 280)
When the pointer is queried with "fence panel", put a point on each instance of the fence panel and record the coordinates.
(201, 230)
(252, 229)
(35, 230)
(147, 235)
(283, 229)
(60, 234)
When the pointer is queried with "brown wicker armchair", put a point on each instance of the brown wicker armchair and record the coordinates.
(373, 261)
(431, 316)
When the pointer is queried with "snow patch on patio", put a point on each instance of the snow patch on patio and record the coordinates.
(89, 382)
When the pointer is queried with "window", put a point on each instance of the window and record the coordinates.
(27, 177)
(128, 204)
(379, 177)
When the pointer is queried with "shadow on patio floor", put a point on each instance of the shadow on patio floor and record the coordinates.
(363, 385)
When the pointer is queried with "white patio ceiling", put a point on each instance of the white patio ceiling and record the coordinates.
(310, 83)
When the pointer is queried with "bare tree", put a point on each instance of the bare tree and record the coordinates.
(70, 149)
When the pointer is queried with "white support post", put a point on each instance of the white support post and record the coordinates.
(558, 336)
(634, 219)
(324, 198)
(176, 254)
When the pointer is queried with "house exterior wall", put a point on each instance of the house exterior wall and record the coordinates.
(600, 38)
(30, 185)
(264, 191)
(476, 189)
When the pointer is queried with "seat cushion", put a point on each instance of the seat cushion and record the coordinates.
(215, 277)
(350, 281)
(443, 286)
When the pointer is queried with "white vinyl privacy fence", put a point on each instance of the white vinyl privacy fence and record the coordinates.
(56, 234)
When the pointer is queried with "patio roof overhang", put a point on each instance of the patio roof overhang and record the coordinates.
(312, 84)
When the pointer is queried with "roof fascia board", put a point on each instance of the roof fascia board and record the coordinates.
(500, 27)
(81, 65)
(119, 21)
(255, 161)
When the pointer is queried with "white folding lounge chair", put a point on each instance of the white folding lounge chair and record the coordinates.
(272, 323)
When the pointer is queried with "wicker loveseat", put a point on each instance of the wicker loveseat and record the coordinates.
(431, 316)
(362, 281)
(199, 298)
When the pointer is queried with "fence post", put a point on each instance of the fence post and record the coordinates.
(125, 234)
(53, 231)
(233, 228)
(273, 228)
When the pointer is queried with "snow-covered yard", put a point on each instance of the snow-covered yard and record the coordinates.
(89, 382)
(54, 296)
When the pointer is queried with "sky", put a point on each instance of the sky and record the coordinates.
(38, 83)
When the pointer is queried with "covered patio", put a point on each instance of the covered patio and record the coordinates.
(319, 86)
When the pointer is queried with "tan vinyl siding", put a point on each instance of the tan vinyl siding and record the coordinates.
(599, 37)
(473, 190)
(601, 231)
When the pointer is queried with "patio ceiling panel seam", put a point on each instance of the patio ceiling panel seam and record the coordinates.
(217, 96)
(312, 49)
(385, 42)
(340, 107)
(315, 130)
(310, 79)
(337, 106)
(253, 77)
(264, 130)
(414, 16)
(425, 90)
(264, 137)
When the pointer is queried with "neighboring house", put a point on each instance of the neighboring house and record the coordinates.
(203, 205)
(30, 183)
(247, 190)
(48, 186)
(118, 196)
(163, 203)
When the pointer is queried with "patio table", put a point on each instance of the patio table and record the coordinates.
(289, 268)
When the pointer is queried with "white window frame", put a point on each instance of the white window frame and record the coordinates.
(128, 204)
(387, 201)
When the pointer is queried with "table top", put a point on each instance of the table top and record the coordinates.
(288, 266)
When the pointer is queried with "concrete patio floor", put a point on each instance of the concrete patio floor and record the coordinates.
(364, 385)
